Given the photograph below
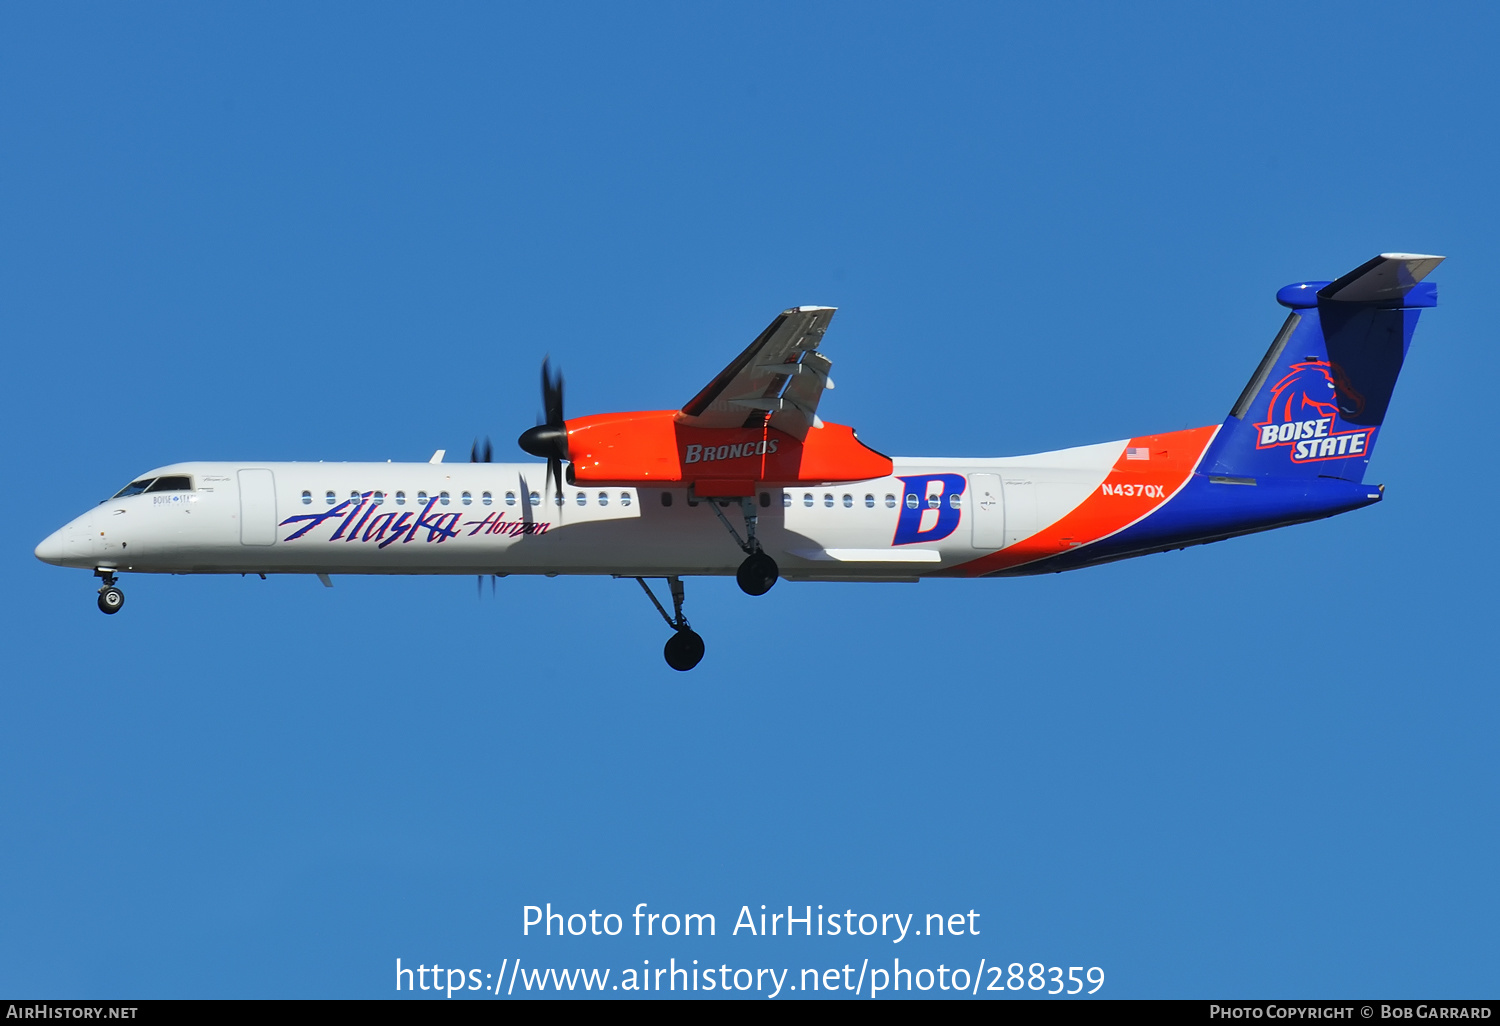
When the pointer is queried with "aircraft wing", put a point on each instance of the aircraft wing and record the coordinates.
(780, 376)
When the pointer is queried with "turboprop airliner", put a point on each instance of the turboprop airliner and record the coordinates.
(747, 479)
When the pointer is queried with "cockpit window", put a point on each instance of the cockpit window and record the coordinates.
(155, 484)
(133, 488)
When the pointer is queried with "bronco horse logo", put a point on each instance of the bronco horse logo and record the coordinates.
(1305, 406)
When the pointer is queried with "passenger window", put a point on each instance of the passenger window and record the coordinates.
(443, 498)
(582, 499)
(666, 498)
(933, 502)
(848, 502)
(624, 498)
(354, 497)
(468, 499)
(133, 488)
(487, 499)
(536, 500)
(786, 499)
(171, 484)
(510, 498)
(604, 498)
(807, 499)
(401, 498)
(911, 501)
(307, 498)
(955, 501)
(421, 498)
(329, 498)
(765, 500)
(378, 498)
(869, 502)
(890, 502)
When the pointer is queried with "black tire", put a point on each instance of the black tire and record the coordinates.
(683, 650)
(757, 574)
(111, 599)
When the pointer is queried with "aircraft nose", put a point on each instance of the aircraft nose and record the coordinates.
(53, 549)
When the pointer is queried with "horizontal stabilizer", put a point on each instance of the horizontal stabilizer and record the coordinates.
(1389, 276)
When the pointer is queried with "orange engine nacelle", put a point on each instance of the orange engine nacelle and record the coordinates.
(653, 447)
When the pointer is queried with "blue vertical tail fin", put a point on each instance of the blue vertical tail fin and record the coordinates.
(1316, 402)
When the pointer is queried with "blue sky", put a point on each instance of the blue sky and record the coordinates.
(350, 232)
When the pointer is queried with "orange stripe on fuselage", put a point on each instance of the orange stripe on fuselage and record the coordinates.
(1132, 490)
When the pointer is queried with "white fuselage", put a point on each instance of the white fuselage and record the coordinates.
(501, 518)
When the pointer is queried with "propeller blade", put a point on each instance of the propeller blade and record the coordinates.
(527, 515)
(489, 450)
(474, 452)
(549, 439)
(552, 394)
(480, 581)
(554, 474)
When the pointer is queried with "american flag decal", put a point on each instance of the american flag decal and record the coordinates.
(1137, 453)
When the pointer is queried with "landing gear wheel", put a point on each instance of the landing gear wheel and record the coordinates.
(110, 599)
(757, 574)
(683, 650)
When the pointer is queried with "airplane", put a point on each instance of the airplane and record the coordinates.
(748, 479)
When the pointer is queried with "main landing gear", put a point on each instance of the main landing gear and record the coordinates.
(111, 599)
(684, 649)
(758, 573)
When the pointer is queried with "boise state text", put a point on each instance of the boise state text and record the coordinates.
(1314, 439)
(1305, 405)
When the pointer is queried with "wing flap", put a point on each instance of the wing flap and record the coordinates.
(779, 378)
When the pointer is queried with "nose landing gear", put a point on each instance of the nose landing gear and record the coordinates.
(684, 649)
(111, 598)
